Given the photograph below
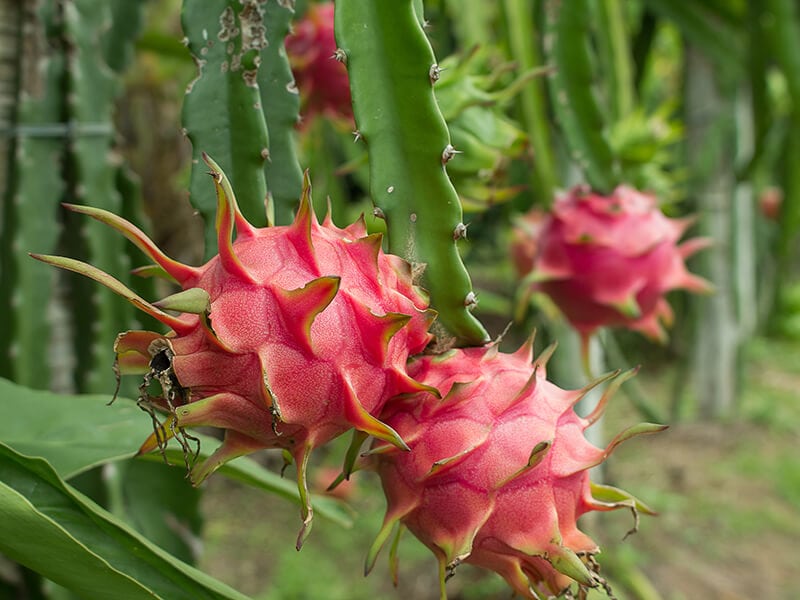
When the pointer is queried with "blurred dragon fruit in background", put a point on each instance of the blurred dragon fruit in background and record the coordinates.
(498, 472)
(610, 261)
(321, 79)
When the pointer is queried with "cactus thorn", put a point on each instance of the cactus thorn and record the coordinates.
(448, 153)
(378, 213)
(435, 73)
(357, 136)
(471, 300)
(460, 232)
(340, 55)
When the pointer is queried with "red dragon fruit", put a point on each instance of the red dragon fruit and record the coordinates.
(610, 260)
(290, 335)
(498, 473)
(322, 80)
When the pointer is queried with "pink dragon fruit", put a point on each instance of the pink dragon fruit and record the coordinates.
(323, 83)
(290, 335)
(610, 260)
(498, 473)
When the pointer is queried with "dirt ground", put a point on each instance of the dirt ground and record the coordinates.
(725, 530)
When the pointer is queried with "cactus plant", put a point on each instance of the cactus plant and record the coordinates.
(388, 58)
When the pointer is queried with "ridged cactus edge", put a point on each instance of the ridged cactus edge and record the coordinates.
(392, 72)
(222, 112)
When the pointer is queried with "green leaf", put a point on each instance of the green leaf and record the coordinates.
(76, 433)
(161, 503)
(49, 527)
(249, 472)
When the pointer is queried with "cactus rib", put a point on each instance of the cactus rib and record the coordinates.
(222, 112)
(389, 61)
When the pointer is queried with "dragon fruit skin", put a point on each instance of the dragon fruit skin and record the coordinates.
(322, 81)
(290, 336)
(610, 260)
(498, 474)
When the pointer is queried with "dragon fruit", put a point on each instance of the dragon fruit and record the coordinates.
(610, 260)
(323, 83)
(290, 335)
(498, 473)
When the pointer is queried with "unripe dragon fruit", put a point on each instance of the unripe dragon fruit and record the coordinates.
(498, 472)
(322, 80)
(290, 336)
(610, 260)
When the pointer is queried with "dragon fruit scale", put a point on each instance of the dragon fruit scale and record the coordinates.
(610, 260)
(498, 472)
(288, 337)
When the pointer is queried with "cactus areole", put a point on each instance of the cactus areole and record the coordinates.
(610, 260)
(288, 337)
(311, 47)
(498, 472)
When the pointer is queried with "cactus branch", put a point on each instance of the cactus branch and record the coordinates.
(222, 112)
(389, 61)
(577, 109)
(281, 102)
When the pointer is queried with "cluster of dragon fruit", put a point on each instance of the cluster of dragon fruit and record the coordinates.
(291, 336)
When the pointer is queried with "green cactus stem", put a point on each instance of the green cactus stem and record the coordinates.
(281, 103)
(222, 112)
(127, 19)
(571, 89)
(93, 89)
(617, 62)
(392, 71)
(30, 215)
(532, 101)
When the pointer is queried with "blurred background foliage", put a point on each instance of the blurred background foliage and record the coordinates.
(696, 101)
